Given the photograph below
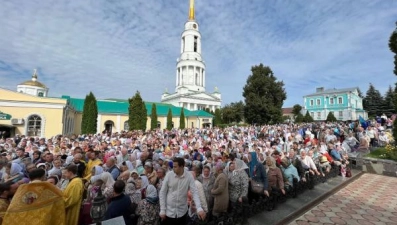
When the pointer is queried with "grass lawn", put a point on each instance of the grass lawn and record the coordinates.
(380, 153)
(377, 153)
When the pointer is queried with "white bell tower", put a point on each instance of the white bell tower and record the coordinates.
(190, 68)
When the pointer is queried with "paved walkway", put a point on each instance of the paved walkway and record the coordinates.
(371, 199)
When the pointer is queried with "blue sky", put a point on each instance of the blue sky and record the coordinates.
(117, 47)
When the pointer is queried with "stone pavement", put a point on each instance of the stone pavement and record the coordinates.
(303, 200)
(371, 199)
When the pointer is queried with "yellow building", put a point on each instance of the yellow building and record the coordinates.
(30, 112)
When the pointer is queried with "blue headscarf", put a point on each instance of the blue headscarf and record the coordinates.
(252, 163)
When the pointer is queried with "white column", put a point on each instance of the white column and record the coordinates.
(203, 78)
(194, 75)
(118, 128)
(177, 77)
(98, 125)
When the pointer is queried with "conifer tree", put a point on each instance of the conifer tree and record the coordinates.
(169, 119)
(90, 115)
(153, 117)
(373, 102)
(137, 113)
(308, 118)
(182, 119)
(299, 118)
(331, 117)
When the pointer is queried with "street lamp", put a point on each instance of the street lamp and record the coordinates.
(98, 208)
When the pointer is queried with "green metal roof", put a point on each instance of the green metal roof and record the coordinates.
(120, 106)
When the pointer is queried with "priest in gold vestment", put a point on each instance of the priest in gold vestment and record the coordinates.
(93, 161)
(36, 203)
(73, 195)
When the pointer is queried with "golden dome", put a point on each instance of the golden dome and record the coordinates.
(33, 83)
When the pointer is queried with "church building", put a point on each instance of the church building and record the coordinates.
(190, 91)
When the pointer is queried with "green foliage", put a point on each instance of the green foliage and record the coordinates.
(389, 99)
(308, 118)
(153, 117)
(299, 118)
(331, 117)
(296, 109)
(182, 119)
(373, 102)
(218, 117)
(137, 113)
(169, 119)
(393, 48)
(90, 115)
(264, 96)
(360, 93)
(233, 112)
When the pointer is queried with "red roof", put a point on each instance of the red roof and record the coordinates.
(287, 110)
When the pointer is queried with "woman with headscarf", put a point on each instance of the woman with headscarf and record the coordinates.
(238, 182)
(207, 179)
(96, 173)
(144, 184)
(276, 182)
(257, 173)
(148, 208)
(220, 191)
(107, 187)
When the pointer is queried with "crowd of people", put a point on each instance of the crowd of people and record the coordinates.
(169, 176)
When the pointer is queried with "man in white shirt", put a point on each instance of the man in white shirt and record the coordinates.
(173, 195)
(307, 163)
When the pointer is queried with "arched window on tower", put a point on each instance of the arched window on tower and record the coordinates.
(41, 94)
(195, 43)
(34, 125)
(197, 79)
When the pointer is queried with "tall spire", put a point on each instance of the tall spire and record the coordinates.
(191, 10)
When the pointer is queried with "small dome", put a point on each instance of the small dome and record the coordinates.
(33, 83)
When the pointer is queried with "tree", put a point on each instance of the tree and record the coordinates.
(373, 102)
(90, 115)
(169, 119)
(393, 48)
(137, 117)
(153, 117)
(389, 107)
(299, 118)
(308, 118)
(331, 117)
(296, 109)
(182, 119)
(233, 112)
(360, 94)
(218, 117)
(264, 96)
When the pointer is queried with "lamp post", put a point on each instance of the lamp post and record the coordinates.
(98, 208)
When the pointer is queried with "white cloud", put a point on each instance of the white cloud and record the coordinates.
(114, 48)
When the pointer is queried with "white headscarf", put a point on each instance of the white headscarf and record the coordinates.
(151, 191)
(107, 179)
(145, 182)
(129, 165)
(97, 175)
